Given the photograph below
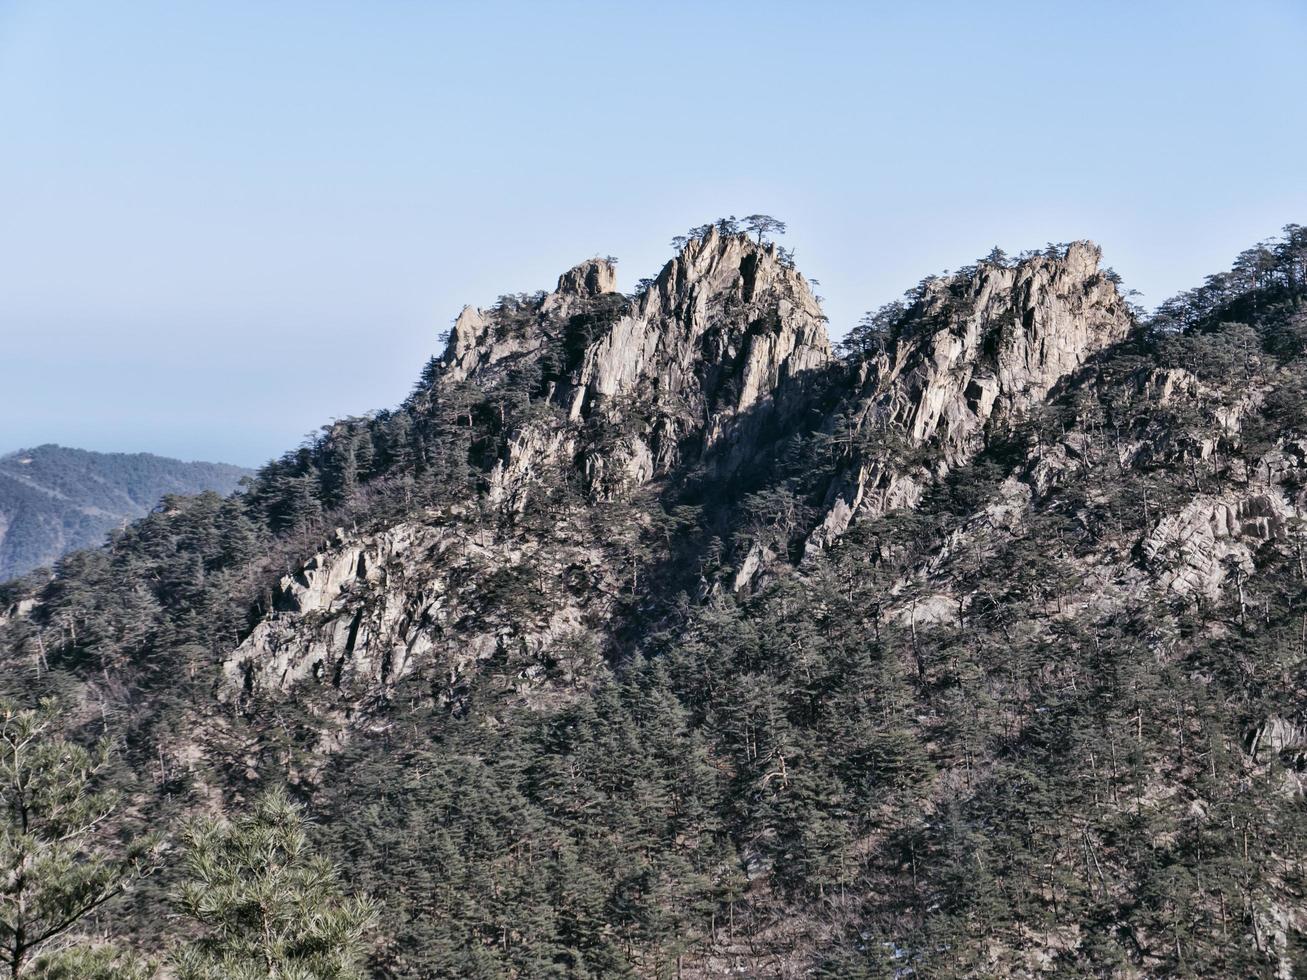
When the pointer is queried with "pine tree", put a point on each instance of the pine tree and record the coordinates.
(99, 962)
(265, 905)
(58, 864)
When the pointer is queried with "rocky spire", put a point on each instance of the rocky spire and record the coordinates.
(589, 279)
(714, 343)
(482, 339)
(973, 349)
(705, 358)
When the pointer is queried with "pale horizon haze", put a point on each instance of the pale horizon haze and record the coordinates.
(223, 224)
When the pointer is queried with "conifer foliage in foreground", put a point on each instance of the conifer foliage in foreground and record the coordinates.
(265, 905)
(59, 862)
(256, 903)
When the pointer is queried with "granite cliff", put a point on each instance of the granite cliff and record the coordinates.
(707, 371)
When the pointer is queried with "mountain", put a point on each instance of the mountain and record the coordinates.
(54, 500)
(654, 636)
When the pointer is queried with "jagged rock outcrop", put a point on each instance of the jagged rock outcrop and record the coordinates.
(971, 350)
(441, 594)
(720, 331)
(483, 340)
(1279, 737)
(701, 367)
(472, 343)
(1196, 550)
(591, 278)
(709, 355)
(713, 362)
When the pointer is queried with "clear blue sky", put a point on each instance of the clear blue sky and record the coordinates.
(223, 223)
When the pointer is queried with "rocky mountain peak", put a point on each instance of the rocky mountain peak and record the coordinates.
(588, 279)
(1016, 330)
(728, 267)
(587, 581)
(701, 363)
(724, 304)
(483, 339)
(975, 348)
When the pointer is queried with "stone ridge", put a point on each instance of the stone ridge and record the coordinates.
(591, 278)
(974, 350)
(698, 368)
(711, 348)
(680, 318)
(482, 339)
(706, 370)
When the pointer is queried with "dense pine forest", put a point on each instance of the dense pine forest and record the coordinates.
(653, 637)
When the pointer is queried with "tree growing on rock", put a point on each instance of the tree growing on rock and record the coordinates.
(763, 225)
(874, 331)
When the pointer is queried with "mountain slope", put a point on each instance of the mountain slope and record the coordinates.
(650, 637)
(54, 500)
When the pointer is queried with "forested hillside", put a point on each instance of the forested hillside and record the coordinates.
(54, 500)
(652, 636)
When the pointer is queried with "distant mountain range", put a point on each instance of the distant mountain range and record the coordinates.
(54, 500)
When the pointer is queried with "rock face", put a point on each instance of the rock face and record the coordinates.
(708, 353)
(724, 325)
(588, 280)
(704, 367)
(483, 340)
(706, 370)
(972, 350)
(1195, 551)
(699, 367)
(363, 615)
(1215, 538)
